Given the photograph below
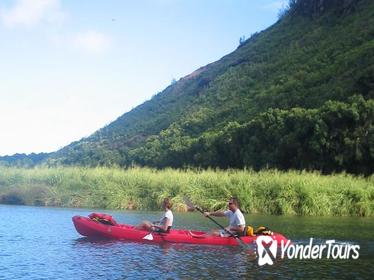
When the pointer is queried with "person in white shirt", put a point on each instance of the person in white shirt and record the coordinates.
(236, 219)
(166, 221)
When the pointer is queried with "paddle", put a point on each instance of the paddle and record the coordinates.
(149, 235)
(190, 205)
(152, 229)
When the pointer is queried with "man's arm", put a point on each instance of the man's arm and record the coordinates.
(216, 214)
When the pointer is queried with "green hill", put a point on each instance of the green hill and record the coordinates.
(298, 95)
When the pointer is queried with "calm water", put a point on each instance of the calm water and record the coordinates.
(41, 243)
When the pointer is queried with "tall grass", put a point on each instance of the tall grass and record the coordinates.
(270, 192)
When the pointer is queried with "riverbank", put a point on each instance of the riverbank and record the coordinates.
(266, 192)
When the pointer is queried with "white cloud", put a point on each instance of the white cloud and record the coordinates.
(91, 42)
(276, 5)
(32, 12)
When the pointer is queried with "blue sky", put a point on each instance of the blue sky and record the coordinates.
(69, 67)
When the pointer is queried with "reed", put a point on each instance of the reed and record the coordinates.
(268, 191)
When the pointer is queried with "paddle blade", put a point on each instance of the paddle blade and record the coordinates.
(149, 236)
(190, 205)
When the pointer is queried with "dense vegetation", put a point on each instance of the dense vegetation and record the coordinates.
(331, 138)
(23, 160)
(298, 95)
(269, 192)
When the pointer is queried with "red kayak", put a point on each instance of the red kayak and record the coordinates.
(93, 227)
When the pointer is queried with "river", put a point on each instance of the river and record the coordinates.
(42, 243)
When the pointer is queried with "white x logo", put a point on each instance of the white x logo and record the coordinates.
(263, 254)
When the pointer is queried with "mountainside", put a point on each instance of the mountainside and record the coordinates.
(297, 95)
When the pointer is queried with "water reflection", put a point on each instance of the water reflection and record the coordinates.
(190, 261)
(48, 247)
(171, 260)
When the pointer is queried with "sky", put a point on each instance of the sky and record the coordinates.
(70, 67)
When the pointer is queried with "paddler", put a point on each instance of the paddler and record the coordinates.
(166, 221)
(236, 219)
